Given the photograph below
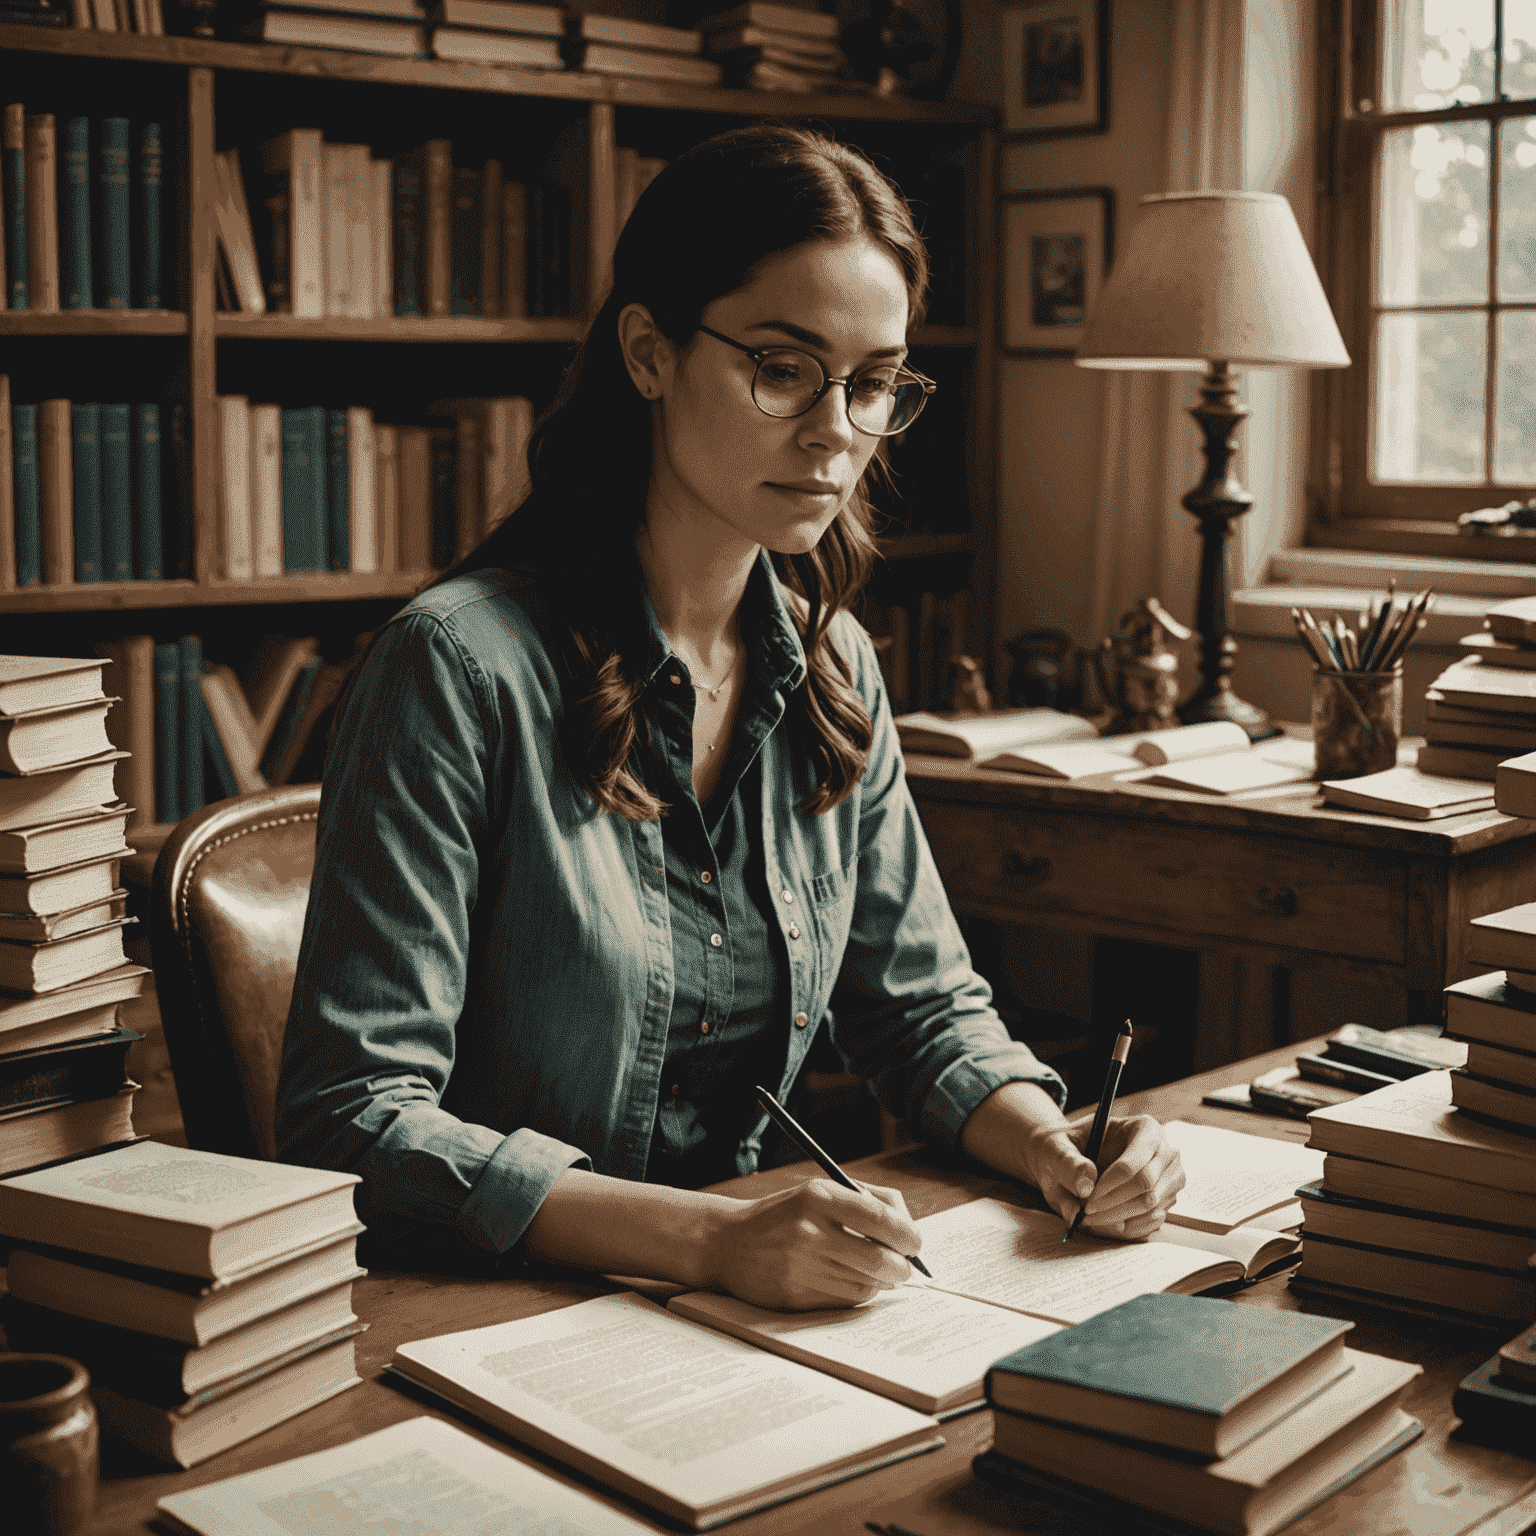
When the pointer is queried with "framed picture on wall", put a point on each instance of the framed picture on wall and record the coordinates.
(1057, 247)
(1055, 68)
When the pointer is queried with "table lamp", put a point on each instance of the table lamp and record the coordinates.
(1208, 281)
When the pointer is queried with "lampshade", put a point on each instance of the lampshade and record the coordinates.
(1213, 277)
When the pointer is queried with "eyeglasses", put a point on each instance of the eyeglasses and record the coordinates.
(883, 399)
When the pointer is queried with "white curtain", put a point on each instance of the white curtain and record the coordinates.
(1238, 119)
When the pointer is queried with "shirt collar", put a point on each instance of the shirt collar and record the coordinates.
(767, 627)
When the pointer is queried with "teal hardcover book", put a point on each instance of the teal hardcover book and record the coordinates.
(116, 495)
(338, 498)
(406, 243)
(13, 188)
(85, 423)
(190, 713)
(168, 806)
(288, 721)
(223, 771)
(29, 528)
(75, 214)
(150, 174)
(115, 237)
(303, 480)
(1193, 1373)
(148, 539)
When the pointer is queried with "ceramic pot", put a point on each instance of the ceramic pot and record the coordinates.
(48, 1444)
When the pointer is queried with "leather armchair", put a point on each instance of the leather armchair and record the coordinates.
(227, 905)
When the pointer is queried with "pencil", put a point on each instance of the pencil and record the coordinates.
(1101, 1116)
(803, 1139)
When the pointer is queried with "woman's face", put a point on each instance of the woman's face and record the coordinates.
(722, 464)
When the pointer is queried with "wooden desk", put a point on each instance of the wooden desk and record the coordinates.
(1266, 880)
(1439, 1486)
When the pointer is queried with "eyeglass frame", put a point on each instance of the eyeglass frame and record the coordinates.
(758, 354)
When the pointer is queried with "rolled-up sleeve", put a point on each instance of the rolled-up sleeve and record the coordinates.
(908, 1011)
(405, 817)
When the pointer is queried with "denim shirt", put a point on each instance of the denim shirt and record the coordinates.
(486, 976)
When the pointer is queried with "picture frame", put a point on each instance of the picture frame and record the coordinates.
(1055, 68)
(1057, 247)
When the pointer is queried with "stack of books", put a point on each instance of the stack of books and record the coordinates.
(64, 1087)
(1233, 1419)
(774, 47)
(210, 1297)
(82, 207)
(1425, 1204)
(358, 26)
(499, 32)
(614, 45)
(1496, 1016)
(1482, 709)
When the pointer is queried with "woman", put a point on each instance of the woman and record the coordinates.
(615, 814)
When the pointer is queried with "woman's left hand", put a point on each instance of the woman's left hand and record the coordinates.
(1142, 1175)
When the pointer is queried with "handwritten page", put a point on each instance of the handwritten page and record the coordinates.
(1231, 1177)
(1015, 1258)
(424, 1476)
(915, 1340)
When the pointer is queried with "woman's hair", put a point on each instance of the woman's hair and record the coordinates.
(697, 233)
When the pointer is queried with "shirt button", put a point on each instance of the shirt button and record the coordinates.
(788, 895)
(794, 932)
(704, 1027)
(675, 680)
(705, 876)
(716, 940)
(801, 1020)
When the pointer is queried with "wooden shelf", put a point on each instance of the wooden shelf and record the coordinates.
(909, 546)
(92, 322)
(394, 328)
(308, 587)
(438, 74)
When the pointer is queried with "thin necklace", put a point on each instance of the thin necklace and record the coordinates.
(714, 693)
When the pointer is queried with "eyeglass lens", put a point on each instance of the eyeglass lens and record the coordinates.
(787, 384)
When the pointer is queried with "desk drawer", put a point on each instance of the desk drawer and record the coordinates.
(1269, 890)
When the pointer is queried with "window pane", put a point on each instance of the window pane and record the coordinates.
(1514, 421)
(1436, 53)
(1519, 49)
(1432, 222)
(1517, 208)
(1429, 397)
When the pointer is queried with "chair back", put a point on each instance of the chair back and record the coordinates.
(230, 889)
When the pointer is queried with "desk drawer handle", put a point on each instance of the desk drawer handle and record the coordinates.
(1031, 870)
(1282, 901)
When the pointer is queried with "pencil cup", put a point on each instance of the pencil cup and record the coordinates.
(1357, 718)
(48, 1444)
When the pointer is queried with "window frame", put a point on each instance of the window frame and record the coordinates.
(1349, 509)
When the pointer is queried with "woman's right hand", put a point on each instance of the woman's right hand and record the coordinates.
(815, 1245)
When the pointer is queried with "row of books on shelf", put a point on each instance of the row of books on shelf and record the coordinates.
(146, 17)
(345, 234)
(82, 209)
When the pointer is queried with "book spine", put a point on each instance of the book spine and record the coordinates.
(190, 711)
(338, 264)
(151, 174)
(80, 14)
(29, 536)
(491, 187)
(407, 232)
(168, 806)
(115, 234)
(469, 478)
(178, 521)
(386, 483)
(303, 490)
(437, 221)
(414, 452)
(535, 290)
(75, 214)
(445, 496)
(13, 188)
(362, 492)
(359, 232)
(278, 251)
(7, 490)
(338, 502)
(148, 555)
(85, 464)
(514, 250)
(42, 213)
(267, 489)
(306, 195)
(56, 492)
(287, 722)
(555, 259)
(116, 495)
(213, 744)
(466, 241)
(235, 487)
(132, 723)
(380, 235)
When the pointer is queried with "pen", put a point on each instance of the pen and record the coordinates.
(1101, 1116)
(801, 1137)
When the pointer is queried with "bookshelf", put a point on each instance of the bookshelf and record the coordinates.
(211, 95)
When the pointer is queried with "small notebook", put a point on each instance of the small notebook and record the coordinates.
(1231, 774)
(1409, 793)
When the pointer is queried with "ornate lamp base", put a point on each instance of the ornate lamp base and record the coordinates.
(1217, 501)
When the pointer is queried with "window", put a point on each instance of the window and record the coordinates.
(1430, 106)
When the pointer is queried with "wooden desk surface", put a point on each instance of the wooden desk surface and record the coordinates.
(1439, 1486)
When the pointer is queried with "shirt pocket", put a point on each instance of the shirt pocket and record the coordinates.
(831, 898)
